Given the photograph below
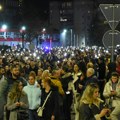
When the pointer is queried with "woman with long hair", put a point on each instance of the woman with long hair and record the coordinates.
(17, 101)
(53, 89)
(91, 106)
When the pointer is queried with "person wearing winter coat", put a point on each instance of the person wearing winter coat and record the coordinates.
(3, 88)
(112, 95)
(17, 101)
(33, 92)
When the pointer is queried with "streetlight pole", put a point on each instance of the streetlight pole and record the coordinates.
(71, 36)
(113, 31)
(23, 35)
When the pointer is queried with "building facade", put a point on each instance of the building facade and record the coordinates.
(72, 18)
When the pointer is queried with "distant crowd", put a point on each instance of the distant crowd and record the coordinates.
(59, 83)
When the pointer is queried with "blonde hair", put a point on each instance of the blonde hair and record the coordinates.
(45, 74)
(87, 96)
(90, 65)
(56, 83)
(91, 71)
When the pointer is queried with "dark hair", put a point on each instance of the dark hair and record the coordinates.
(95, 85)
(115, 74)
(14, 66)
(33, 74)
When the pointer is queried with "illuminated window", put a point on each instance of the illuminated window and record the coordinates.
(63, 19)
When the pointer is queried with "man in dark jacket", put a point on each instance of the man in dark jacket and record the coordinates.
(15, 77)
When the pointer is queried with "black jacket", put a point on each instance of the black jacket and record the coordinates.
(52, 105)
(88, 113)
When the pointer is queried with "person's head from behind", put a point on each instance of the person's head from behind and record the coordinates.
(91, 93)
(90, 65)
(56, 73)
(90, 72)
(114, 77)
(32, 63)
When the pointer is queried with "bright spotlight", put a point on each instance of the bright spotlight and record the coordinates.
(43, 30)
(64, 31)
(4, 27)
(23, 28)
(0, 7)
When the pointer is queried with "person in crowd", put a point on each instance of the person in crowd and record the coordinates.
(66, 77)
(112, 95)
(101, 74)
(17, 101)
(118, 64)
(75, 86)
(90, 76)
(1, 61)
(34, 96)
(57, 85)
(33, 66)
(3, 88)
(91, 106)
(46, 74)
(13, 78)
(111, 68)
(51, 109)
(7, 70)
(90, 65)
(39, 76)
(56, 74)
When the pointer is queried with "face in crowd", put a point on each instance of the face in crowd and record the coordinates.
(114, 79)
(20, 86)
(76, 68)
(31, 80)
(15, 71)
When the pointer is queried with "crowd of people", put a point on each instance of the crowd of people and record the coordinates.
(56, 83)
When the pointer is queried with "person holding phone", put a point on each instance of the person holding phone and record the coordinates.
(91, 106)
(112, 95)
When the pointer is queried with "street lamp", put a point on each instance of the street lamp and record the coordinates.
(4, 27)
(71, 33)
(23, 28)
(63, 37)
(1, 7)
(43, 30)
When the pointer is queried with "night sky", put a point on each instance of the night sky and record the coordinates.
(36, 9)
(37, 4)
